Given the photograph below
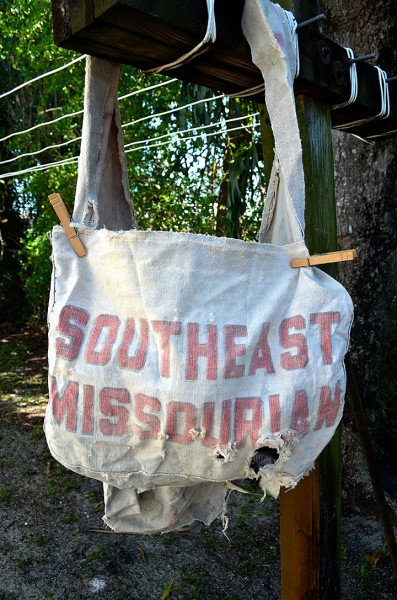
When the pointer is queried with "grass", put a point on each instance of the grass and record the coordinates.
(96, 554)
(365, 574)
(41, 540)
(25, 563)
(191, 582)
(58, 487)
(23, 388)
(70, 518)
(6, 495)
(12, 355)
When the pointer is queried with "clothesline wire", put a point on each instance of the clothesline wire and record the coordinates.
(22, 85)
(144, 143)
(141, 119)
(74, 159)
(80, 112)
(193, 137)
(200, 128)
(166, 135)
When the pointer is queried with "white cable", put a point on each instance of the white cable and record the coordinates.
(53, 147)
(193, 137)
(146, 118)
(384, 103)
(75, 159)
(146, 89)
(179, 132)
(172, 110)
(60, 163)
(79, 112)
(253, 91)
(19, 87)
(353, 83)
(15, 133)
(210, 37)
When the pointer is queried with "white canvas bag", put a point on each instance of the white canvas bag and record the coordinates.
(179, 362)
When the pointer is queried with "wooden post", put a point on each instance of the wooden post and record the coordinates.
(321, 236)
(310, 514)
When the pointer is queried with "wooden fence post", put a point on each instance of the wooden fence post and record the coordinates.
(310, 514)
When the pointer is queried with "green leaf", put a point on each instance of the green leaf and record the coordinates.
(168, 590)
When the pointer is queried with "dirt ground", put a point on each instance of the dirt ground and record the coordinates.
(48, 548)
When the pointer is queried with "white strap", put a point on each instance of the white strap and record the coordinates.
(267, 29)
(102, 196)
(385, 103)
(209, 38)
(102, 174)
(257, 89)
(353, 83)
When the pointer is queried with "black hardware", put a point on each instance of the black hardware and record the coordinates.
(363, 57)
(338, 72)
(324, 51)
(319, 17)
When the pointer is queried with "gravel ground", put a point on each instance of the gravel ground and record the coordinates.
(48, 548)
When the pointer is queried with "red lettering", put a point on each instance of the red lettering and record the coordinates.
(300, 414)
(233, 370)
(195, 349)
(70, 349)
(261, 357)
(65, 403)
(248, 419)
(166, 329)
(275, 414)
(88, 404)
(142, 404)
(208, 424)
(117, 423)
(175, 431)
(329, 408)
(102, 338)
(137, 362)
(299, 360)
(325, 320)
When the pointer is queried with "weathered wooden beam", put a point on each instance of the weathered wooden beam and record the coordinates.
(310, 513)
(149, 34)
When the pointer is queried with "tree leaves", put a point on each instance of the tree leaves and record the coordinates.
(205, 183)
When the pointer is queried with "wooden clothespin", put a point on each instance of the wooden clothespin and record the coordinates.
(323, 259)
(71, 232)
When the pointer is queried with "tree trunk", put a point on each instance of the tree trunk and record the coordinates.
(366, 194)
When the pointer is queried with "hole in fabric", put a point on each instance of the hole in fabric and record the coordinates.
(220, 456)
(264, 456)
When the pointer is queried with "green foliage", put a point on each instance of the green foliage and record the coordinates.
(6, 495)
(168, 590)
(207, 184)
(36, 269)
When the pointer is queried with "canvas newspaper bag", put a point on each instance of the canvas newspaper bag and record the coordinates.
(180, 362)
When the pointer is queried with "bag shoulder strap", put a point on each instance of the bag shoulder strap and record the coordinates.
(102, 193)
(267, 30)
